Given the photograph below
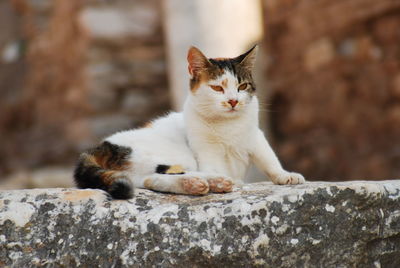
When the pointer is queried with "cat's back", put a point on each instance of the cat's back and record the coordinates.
(169, 127)
(161, 142)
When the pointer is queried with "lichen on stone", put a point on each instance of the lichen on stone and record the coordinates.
(317, 224)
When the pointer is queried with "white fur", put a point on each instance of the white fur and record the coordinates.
(209, 140)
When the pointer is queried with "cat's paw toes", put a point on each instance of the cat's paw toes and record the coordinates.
(195, 186)
(288, 178)
(220, 185)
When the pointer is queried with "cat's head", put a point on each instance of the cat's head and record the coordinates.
(221, 87)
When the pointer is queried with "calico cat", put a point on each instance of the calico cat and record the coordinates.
(206, 148)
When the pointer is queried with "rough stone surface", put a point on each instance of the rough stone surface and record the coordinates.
(346, 224)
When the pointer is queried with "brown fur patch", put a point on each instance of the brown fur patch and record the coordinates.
(89, 159)
(113, 157)
(211, 69)
(175, 169)
(148, 183)
(108, 177)
(195, 84)
(101, 166)
(224, 83)
(220, 59)
(213, 72)
(148, 125)
(104, 162)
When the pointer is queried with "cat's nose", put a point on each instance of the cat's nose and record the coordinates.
(233, 103)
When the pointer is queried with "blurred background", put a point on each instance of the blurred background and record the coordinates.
(73, 72)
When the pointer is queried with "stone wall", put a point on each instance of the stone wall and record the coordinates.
(125, 64)
(347, 224)
(334, 76)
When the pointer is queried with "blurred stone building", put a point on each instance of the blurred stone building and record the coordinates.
(334, 76)
(72, 72)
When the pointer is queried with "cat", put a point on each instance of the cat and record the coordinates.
(206, 148)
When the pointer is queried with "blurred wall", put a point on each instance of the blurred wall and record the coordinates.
(218, 28)
(72, 72)
(334, 76)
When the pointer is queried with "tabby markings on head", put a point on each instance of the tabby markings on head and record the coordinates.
(202, 69)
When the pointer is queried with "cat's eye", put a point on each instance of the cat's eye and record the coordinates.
(243, 86)
(217, 88)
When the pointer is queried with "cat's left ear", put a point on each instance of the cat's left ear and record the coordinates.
(247, 59)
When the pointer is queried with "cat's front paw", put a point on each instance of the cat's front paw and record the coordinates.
(220, 185)
(288, 178)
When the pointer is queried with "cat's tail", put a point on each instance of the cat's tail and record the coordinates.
(104, 167)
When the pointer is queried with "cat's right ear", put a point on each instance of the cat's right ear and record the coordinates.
(197, 61)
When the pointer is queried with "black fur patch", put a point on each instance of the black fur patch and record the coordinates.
(216, 67)
(87, 175)
(166, 169)
(234, 66)
(111, 156)
(101, 167)
(121, 189)
(162, 169)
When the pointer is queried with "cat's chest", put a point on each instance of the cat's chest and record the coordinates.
(231, 157)
(224, 151)
(230, 146)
